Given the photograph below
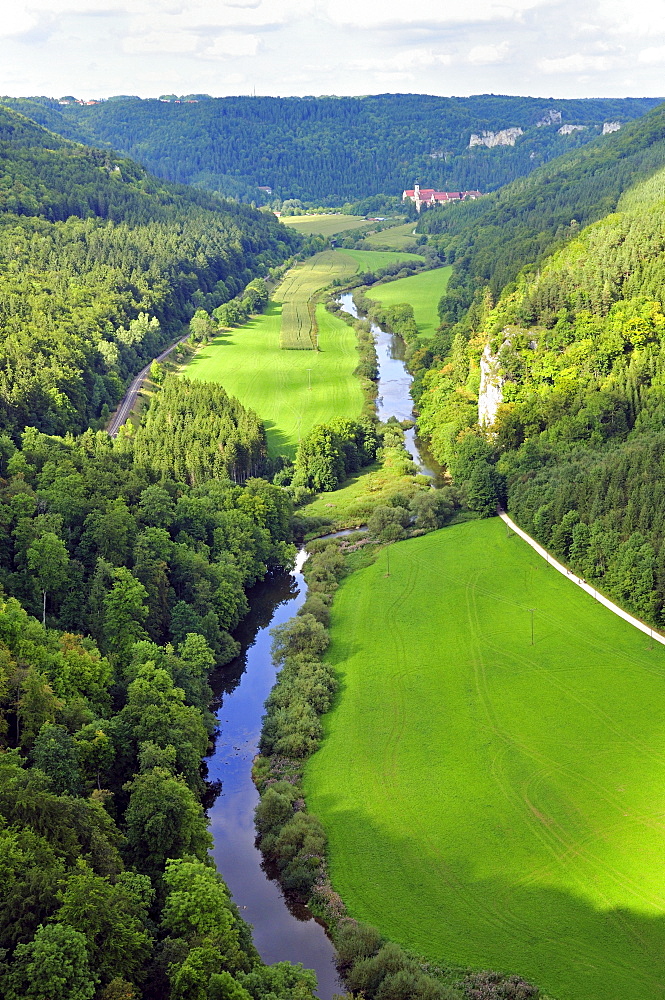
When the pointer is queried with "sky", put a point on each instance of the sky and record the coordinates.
(543, 48)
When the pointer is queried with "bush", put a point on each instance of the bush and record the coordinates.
(355, 941)
(275, 807)
(368, 974)
(303, 634)
(317, 608)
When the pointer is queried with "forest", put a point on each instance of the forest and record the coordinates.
(125, 584)
(102, 265)
(328, 150)
(577, 447)
(490, 240)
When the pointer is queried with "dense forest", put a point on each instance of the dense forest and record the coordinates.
(101, 265)
(490, 240)
(125, 583)
(328, 151)
(577, 448)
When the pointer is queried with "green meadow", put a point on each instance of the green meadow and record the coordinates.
(324, 225)
(252, 366)
(397, 237)
(492, 802)
(372, 260)
(422, 291)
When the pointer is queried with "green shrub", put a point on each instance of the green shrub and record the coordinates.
(355, 941)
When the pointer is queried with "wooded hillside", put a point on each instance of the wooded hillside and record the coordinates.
(100, 266)
(329, 150)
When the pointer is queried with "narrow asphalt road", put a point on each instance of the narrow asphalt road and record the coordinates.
(127, 404)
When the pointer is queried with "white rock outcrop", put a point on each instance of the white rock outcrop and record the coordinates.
(506, 137)
(490, 395)
(550, 117)
(611, 127)
(569, 129)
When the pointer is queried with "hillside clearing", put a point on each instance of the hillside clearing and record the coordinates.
(490, 802)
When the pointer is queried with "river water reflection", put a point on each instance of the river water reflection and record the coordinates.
(394, 399)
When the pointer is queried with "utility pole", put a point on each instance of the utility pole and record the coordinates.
(532, 611)
(309, 373)
(388, 558)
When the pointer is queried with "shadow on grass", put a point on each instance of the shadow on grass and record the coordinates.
(425, 895)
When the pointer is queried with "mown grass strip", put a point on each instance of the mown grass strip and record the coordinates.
(491, 802)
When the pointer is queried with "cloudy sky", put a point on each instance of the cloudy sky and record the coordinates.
(548, 48)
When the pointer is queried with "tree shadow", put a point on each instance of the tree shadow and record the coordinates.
(426, 896)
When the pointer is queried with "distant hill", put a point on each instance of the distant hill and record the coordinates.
(331, 151)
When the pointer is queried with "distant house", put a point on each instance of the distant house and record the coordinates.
(265, 188)
(428, 197)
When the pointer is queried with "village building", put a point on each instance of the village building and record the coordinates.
(429, 198)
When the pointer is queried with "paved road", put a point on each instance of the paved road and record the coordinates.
(582, 583)
(129, 399)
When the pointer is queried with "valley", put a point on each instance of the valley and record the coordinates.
(432, 763)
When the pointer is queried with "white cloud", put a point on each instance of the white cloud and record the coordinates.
(161, 41)
(401, 62)
(564, 47)
(485, 55)
(577, 62)
(653, 56)
(426, 12)
(232, 44)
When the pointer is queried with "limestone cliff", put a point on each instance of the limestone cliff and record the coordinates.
(569, 129)
(506, 137)
(490, 395)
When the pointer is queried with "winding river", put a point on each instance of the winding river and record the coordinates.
(281, 930)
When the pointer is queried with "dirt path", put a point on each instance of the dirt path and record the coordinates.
(647, 629)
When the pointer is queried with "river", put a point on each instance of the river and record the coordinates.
(281, 931)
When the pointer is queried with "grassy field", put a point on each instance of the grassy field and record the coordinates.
(324, 225)
(275, 382)
(295, 295)
(372, 260)
(488, 801)
(303, 281)
(422, 290)
(250, 364)
(397, 237)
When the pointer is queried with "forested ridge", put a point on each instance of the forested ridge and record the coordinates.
(577, 447)
(490, 240)
(101, 265)
(329, 150)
